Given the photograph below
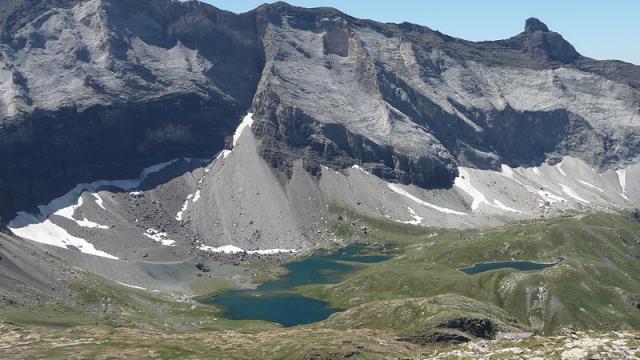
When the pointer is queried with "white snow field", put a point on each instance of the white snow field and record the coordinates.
(159, 237)
(39, 227)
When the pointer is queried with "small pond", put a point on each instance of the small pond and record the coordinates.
(518, 265)
(275, 301)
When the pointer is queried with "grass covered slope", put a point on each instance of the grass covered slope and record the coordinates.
(595, 286)
(100, 302)
(448, 318)
(418, 304)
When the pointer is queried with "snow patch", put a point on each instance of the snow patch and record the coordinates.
(232, 249)
(463, 182)
(132, 286)
(184, 208)
(507, 171)
(69, 211)
(90, 224)
(559, 167)
(504, 207)
(42, 230)
(417, 219)
(154, 169)
(39, 228)
(196, 196)
(537, 171)
(358, 167)
(569, 191)
(247, 121)
(591, 185)
(98, 200)
(397, 189)
(159, 237)
(272, 251)
(227, 249)
(622, 178)
(545, 195)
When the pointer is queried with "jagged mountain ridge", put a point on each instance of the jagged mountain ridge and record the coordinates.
(99, 89)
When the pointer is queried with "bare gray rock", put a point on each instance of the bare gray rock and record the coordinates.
(101, 88)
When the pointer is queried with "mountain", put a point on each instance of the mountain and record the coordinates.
(144, 141)
(100, 89)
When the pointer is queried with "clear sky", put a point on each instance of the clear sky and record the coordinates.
(597, 28)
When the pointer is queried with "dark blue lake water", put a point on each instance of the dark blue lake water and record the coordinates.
(274, 301)
(518, 265)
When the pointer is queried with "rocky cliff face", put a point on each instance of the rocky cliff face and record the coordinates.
(411, 104)
(101, 88)
(98, 89)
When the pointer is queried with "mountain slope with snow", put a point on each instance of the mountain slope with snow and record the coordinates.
(104, 88)
(137, 139)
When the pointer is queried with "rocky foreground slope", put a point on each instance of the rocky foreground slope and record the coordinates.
(303, 344)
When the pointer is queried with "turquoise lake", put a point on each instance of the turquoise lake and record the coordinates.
(275, 301)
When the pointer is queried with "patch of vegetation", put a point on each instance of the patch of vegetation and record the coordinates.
(50, 315)
(101, 302)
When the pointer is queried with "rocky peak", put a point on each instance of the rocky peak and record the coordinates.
(286, 8)
(547, 47)
(533, 24)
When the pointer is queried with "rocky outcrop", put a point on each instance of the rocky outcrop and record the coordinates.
(436, 337)
(482, 328)
(572, 345)
(540, 43)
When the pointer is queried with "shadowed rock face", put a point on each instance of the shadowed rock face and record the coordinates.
(101, 88)
(482, 328)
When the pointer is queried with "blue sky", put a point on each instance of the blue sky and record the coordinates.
(598, 29)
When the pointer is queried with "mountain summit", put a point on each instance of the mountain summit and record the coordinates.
(533, 24)
(542, 44)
